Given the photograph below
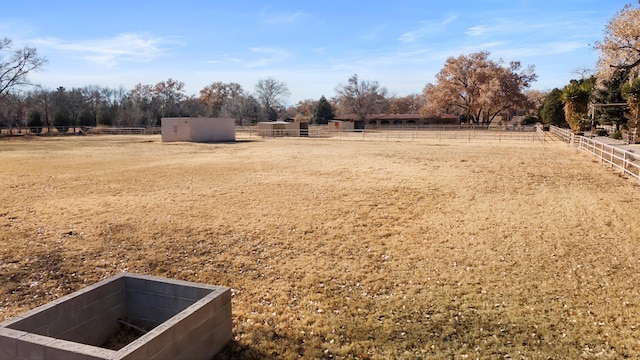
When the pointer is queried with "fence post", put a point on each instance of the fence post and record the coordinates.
(611, 155)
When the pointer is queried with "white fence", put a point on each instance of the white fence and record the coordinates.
(431, 133)
(627, 162)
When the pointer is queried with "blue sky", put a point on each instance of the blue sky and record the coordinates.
(312, 46)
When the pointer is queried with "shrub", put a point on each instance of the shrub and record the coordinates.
(62, 122)
(602, 132)
(35, 122)
(529, 120)
(617, 135)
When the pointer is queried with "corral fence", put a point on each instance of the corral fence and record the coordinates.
(625, 161)
(70, 130)
(425, 133)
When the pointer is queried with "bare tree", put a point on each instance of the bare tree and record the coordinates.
(362, 97)
(41, 100)
(89, 99)
(270, 95)
(305, 107)
(13, 111)
(241, 107)
(15, 67)
(410, 104)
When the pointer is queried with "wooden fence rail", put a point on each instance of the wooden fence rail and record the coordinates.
(625, 161)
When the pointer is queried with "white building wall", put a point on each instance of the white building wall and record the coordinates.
(213, 129)
(176, 129)
(198, 129)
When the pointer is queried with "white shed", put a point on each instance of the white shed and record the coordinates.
(198, 129)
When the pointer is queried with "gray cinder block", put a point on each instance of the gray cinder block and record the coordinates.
(184, 320)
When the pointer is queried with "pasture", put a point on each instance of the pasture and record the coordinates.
(340, 249)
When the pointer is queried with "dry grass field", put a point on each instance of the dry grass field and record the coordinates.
(340, 249)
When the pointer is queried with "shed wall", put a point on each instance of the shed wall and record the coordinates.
(176, 129)
(213, 129)
(198, 129)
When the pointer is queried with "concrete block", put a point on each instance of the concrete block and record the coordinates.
(9, 343)
(187, 320)
(31, 346)
(57, 326)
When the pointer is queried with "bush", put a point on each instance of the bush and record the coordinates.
(617, 135)
(602, 132)
(62, 122)
(35, 122)
(529, 120)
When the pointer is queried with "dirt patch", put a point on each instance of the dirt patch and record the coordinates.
(344, 249)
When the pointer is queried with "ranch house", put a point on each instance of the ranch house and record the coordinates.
(403, 120)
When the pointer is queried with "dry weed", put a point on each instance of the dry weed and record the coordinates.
(339, 249)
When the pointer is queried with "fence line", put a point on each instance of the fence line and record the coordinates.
(71, 130)
(623, 160)
(564, 134)
(530, 134)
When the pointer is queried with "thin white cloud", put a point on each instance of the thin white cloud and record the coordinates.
(511, 24)
(109, 51)
(282, 18)
(374, 33)
(269, 55)
(256, 57)
(427, 28)
(477, 30)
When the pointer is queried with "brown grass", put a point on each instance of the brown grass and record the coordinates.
(340, 249)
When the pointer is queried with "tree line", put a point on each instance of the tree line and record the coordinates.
(474, 87)
(610, 95)
(146, 104)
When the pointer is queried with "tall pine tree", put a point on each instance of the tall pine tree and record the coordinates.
(322, 112)
(552, 111)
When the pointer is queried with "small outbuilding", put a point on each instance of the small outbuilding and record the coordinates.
(338, 125)
(198, 129)
(283, 128)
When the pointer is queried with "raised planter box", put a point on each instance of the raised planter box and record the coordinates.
(174, 320)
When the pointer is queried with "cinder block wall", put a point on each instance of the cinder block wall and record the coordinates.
(196, 333)
(153, 302)
(67, 328)
(74, 326)
(88, 316)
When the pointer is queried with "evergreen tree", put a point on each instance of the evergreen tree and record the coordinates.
(609, 91)
(35, 122)
(552, 111)
(322, 112)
